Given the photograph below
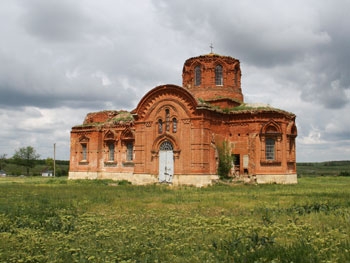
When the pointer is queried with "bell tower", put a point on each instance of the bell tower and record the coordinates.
(214, 79)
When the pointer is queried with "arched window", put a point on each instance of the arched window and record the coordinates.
(160, 126)
(174, 125)
(218, 75)
(197, 76)
(166, 146)
(111, 151)
(270, 149)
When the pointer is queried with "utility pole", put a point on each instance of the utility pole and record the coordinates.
(54, 159)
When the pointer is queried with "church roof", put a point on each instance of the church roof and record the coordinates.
(107, 118)
(210, 55)
(244, 108)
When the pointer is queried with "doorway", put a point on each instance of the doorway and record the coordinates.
(166, 162)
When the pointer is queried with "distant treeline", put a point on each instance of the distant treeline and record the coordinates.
(39, 162)
(329, 168)
(11, 168)
(304, 169)
(62, 162)
(327, 163)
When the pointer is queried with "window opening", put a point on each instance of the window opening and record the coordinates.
(160, 126)
(218, 75)
(111, 151)
(270, 149)
(84, 151)
(197, 76)
(167, 119)
(166, 146)
(174, 125)
(129, 151)
(237, 159)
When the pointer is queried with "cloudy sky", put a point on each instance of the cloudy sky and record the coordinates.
(60, 59)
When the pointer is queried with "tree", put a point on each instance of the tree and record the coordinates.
(26, 157)
(225, 160)
(2, 161)
(49, 163)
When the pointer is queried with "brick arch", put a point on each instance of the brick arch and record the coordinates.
(109, 136)
(219, 62)
(127, 134)
(159, 111)
(163, 103)
(163, 93)
(194, 64)
(197, 63)
(84, 139)
(271, 127)
(226, 63)
(162, 138)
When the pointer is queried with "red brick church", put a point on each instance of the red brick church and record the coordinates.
(174, 133)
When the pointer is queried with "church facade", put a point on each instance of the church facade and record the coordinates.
(175, 133)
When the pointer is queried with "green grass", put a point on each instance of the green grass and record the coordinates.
(58, 220)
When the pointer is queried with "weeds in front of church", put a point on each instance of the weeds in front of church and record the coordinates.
(54, 220)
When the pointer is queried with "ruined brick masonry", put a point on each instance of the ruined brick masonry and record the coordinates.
(173, 134)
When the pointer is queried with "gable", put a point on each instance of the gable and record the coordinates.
(165, 94)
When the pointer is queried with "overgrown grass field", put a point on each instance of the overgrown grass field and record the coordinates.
(57, 220)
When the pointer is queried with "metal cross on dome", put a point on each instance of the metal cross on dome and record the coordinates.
(211, 47)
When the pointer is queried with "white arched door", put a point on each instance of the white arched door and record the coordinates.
(166, 162)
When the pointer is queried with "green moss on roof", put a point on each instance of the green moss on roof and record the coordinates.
(122, 117)
(244, 107)
(113, 117)
(91, 124)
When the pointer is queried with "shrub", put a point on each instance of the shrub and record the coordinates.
(123, 182)
(344, 173)
(225, 160)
